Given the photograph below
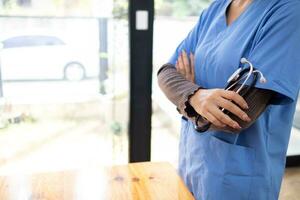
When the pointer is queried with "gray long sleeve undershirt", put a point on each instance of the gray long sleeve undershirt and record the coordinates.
(177, 89)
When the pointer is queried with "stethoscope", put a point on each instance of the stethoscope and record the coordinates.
(236, 78)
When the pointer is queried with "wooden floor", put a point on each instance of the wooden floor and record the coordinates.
(290, 189)
(131, 182)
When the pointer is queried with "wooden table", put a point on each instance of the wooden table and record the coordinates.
(134, 181)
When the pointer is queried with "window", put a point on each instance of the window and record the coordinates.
(294, 145)
(65, 101)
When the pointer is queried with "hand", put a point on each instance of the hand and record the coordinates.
(185, 66)
(207, 103)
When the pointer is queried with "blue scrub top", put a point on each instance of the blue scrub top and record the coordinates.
(267, 33)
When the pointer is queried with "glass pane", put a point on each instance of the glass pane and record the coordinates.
(174, 19)
(64, 84)
(294, 145)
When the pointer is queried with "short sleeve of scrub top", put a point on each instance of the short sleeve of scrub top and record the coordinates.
(218, 165)
(276, 53)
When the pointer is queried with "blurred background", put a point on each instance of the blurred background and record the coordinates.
(64, 83)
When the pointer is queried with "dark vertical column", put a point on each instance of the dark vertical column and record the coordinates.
(103, 57)
(141, 43)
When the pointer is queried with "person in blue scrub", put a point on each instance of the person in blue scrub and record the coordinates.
(267, 33)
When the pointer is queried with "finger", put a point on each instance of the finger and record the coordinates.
(186, 62)
(176, 66)
(231, 95)
(233, 108)
(181, 65)
(192, 60)
(214, 120)
(225, 119)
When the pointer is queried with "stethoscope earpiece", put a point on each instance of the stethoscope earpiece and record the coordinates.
(262, 79)
(244, 61)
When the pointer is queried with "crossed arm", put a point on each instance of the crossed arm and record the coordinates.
(178, 84)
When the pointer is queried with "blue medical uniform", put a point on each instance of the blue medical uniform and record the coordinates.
(267, 33)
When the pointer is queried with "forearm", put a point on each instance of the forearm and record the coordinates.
(257, 100)
(177, 89)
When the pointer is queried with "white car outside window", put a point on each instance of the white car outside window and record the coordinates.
(46, 57)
